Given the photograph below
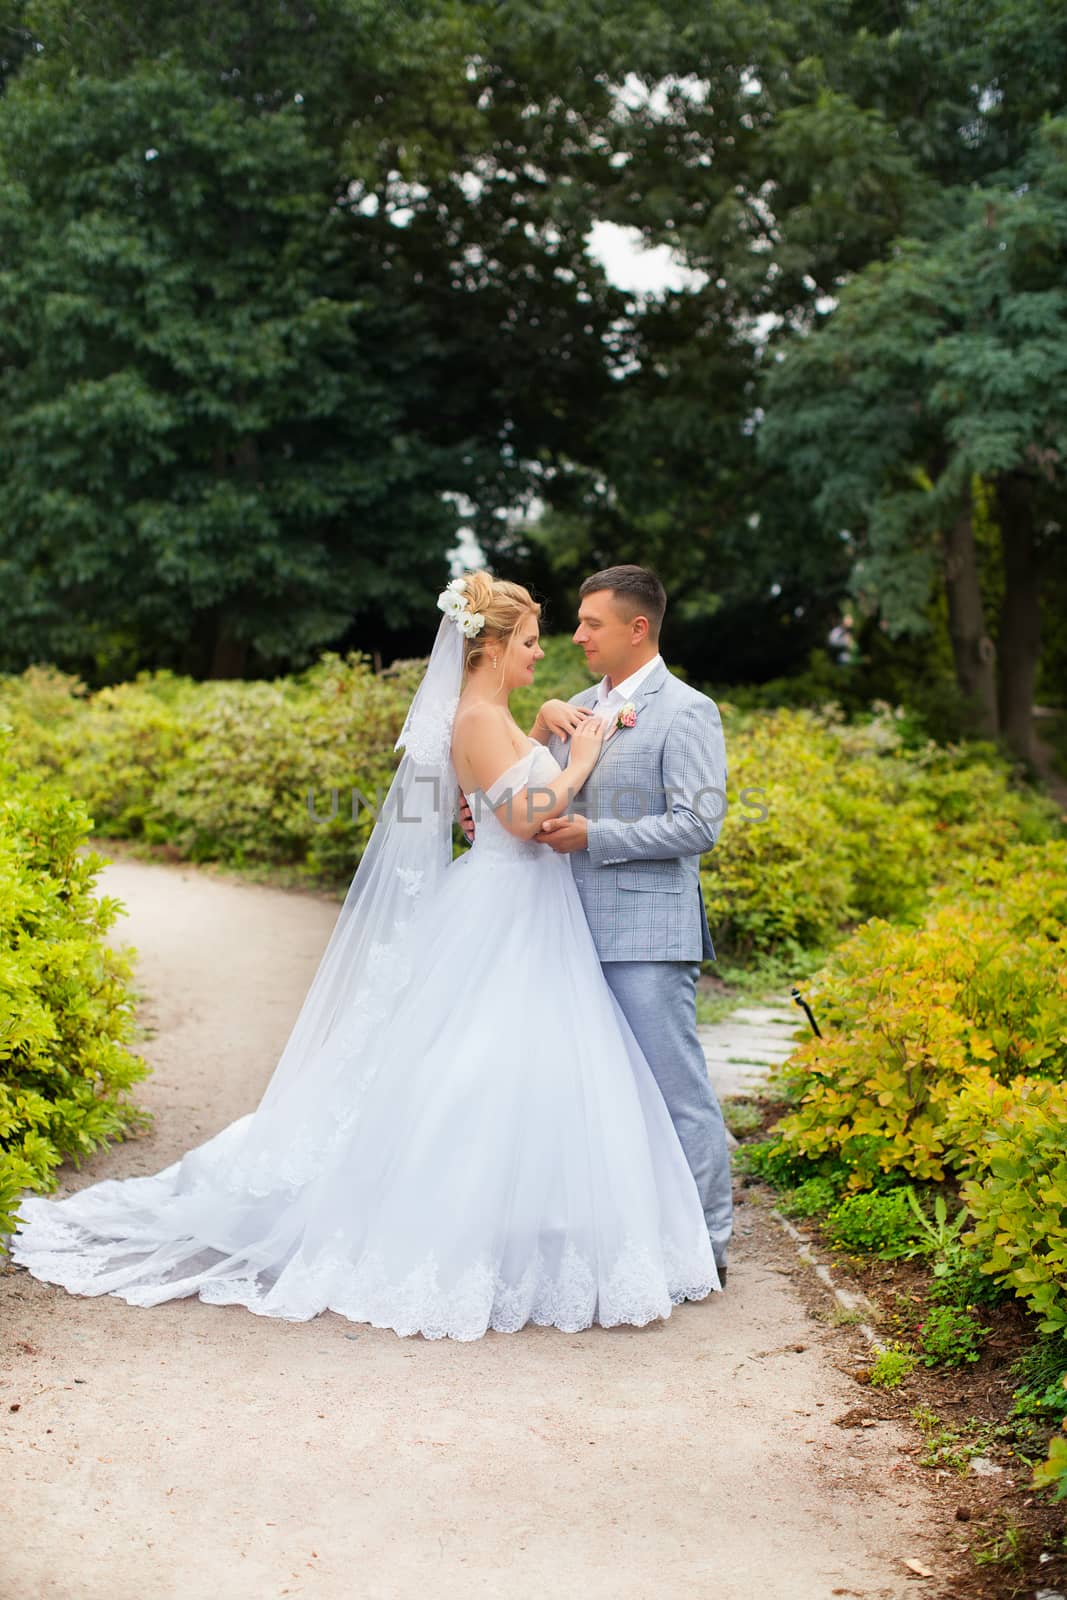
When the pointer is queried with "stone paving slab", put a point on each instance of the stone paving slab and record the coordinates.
(763, 1016)
(743, 1048)
(726, 1038)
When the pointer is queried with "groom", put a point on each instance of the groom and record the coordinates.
(652, 804)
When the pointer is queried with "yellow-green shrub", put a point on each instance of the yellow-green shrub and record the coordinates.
(856, 825)
(913, 1018)
(128, 743)
(222, 770)
(784, 877)
(1052, 1472)
(1019, 1203)
(66, 1015)
(41, 706)
(257, 749)
(113, 748)
(945, 1054)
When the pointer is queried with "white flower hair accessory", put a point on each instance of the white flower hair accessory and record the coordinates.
(453, 603)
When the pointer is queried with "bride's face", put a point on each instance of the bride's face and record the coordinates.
(524, 652)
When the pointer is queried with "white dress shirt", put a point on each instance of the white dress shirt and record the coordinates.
(609, 702)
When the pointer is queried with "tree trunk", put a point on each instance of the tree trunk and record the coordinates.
(972, 648)
(1020, 617)
(229, 654)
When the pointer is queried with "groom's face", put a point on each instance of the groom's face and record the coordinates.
(607, 636)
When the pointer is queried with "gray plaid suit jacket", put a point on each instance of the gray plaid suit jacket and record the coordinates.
(655, 802)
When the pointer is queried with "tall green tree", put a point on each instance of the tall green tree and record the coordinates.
(310, 273)
(204, 442)
(779, 150)
(665, 470)
(940, 371)
(16, 39)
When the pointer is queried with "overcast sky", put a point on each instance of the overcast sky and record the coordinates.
(630, 265)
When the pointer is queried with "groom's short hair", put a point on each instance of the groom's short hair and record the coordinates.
(637, 591)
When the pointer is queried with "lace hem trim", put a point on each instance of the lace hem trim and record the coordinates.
(640, 1287)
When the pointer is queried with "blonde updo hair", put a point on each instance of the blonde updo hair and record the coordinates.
(504, 605)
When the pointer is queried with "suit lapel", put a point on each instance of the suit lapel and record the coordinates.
(588, 699)
(651, 686)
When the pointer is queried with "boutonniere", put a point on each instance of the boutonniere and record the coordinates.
(627, 716)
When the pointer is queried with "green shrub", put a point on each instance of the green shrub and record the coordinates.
(1041, 1381)
(960, 1280)
(128, 742)
(809, 1198)
(891, 1366)
(880, 1222)
(257, 750)
(41, 707)
(770, 1161)
(66, 1015)
(950, 1336)
(223, 771)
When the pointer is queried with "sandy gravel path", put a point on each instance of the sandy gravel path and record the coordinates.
(192, 1449)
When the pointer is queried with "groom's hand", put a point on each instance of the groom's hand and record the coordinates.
(564, 834)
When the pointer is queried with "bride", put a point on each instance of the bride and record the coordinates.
(461, 1132)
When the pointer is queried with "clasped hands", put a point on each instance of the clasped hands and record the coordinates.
(562, 834)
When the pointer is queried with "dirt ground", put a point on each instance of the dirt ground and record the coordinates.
(187, 1448)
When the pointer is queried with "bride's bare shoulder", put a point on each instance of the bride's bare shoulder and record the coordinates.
(480, 724)
(478, 716)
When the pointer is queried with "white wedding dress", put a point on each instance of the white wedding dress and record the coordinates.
(479, 1144)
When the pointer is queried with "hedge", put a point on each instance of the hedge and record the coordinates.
(828, 822)
(66, 1011)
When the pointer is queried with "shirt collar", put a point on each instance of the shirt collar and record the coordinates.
(629, 686)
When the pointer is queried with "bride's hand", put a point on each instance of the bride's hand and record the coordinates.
(557, 717)
(586, 742)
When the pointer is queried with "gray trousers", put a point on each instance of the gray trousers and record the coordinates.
(658, 1000)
